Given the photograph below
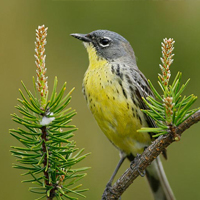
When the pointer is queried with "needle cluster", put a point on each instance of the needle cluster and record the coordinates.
(169, 109)
(47, 154)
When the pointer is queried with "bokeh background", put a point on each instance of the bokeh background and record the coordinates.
(144, 24)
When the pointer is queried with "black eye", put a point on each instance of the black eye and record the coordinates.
(104, 42)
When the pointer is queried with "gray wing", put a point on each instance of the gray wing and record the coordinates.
(142, 89)
(137, 83)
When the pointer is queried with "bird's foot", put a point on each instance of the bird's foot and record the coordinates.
(109, 189)
(136, 162)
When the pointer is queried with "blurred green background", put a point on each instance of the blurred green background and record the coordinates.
(144, 24)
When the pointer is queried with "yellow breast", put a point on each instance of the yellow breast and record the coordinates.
(109, 101)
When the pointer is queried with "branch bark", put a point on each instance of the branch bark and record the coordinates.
(145, 159)
(46, 173)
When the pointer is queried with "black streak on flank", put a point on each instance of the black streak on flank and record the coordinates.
(133, 100)
(144, 87)
(139, 99)
(124, 93)
(83, 90)
(118, 72)
(131, 88)
(128, 106)
(133, 111)
(140, 120)
(128, 79)
(112, 69)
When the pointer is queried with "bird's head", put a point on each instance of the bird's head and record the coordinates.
(107, 45)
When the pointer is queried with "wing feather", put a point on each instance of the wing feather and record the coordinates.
(142, 89)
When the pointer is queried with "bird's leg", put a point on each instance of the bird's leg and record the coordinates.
(122, 158)
(136, 159)
(109, 184)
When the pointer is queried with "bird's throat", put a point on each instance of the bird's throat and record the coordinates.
(95, 61)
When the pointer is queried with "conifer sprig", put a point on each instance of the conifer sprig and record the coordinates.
(170, 110)
(47, 152)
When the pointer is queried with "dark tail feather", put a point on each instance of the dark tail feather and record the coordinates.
(158, 181)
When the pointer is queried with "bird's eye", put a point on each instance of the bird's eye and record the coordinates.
(104, 42)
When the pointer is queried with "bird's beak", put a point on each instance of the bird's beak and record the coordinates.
(82, 37)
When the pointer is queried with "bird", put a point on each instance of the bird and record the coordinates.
(113, 87)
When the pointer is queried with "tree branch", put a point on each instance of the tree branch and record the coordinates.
(145, 159)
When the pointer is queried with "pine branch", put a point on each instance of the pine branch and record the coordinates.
(146, 158)
(47, 154)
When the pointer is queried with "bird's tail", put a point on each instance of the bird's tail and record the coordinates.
(158, 181)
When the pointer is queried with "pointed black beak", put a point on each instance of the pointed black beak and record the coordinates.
(82, 37)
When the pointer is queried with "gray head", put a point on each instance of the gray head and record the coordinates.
(109, 45)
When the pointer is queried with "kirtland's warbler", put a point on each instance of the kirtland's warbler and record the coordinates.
(113, 87)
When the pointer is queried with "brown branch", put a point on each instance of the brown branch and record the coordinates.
(145, 159)
(46, 164)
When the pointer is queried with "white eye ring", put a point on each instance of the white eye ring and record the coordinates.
(104, 42)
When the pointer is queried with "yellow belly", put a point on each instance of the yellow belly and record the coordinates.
(115, 113)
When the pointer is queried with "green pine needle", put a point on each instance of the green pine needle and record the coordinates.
(170, 108)
(47, 154)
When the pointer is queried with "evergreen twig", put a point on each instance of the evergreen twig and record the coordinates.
(47, 154)
(170, 110)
